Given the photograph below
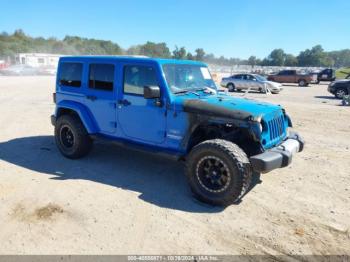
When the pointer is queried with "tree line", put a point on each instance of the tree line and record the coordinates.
(19, 42)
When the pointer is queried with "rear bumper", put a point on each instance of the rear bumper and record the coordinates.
(278, 157)
(53, 120)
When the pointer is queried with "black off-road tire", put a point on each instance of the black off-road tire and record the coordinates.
(82, 142)
(237, 164)
(231, 87)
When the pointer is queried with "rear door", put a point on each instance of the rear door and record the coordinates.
(289, 76)
(101, 95)
(293, 76)
(238, 81)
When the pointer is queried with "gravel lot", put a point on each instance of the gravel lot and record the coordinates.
(119, 201)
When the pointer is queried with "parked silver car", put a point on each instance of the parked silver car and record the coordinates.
(19, 70)
(254, 82)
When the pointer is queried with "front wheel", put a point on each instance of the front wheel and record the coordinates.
(71, 137)
(231, 87)
(340, 93)
(218, 171)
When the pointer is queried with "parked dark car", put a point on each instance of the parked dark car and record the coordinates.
(339, 88)
(327, 74)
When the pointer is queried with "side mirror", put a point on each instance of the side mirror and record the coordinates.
(150, 92)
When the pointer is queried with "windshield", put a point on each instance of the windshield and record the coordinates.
(182, 77)
(260, 78)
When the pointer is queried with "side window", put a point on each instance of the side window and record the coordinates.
(70, 74)
(250, 77)
(137, 77)
(101, 76)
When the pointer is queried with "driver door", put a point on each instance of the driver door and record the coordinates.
(140, 119)
(252, 82)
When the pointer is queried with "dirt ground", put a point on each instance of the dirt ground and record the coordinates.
(119, 201)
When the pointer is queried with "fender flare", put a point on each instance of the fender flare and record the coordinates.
(83, 113)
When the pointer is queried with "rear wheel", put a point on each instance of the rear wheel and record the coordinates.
(218, 171)
(231, 87)
(302, 82)
(71, 137)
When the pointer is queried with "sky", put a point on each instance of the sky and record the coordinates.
(233, 28)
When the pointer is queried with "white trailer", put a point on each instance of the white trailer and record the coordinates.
(37, 59)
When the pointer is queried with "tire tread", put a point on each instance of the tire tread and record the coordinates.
(83, 137)
(239, 158)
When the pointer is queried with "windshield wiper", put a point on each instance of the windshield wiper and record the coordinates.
(187, 92)
(206, 88)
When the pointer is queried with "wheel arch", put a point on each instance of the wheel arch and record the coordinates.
(200, 133)
(230, 132)
(75, 108)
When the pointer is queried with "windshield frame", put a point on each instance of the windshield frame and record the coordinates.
(200, 87)
(260, 78)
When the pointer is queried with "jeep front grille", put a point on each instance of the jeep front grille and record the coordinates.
(276, 127)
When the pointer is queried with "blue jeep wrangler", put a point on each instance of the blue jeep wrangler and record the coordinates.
(173, 107)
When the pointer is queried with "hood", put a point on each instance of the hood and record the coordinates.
(275, 84)
(342, 81)
(225, 106)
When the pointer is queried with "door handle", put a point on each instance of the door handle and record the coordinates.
(92, 98)
(124, 102)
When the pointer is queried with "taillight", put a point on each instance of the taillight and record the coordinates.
(54, 97)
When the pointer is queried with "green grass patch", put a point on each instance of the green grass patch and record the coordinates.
(342, 72)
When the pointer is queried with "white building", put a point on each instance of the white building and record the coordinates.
(37, 59)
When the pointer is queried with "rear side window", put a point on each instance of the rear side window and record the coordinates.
(101, 76)
(137, 77)
(70, 74)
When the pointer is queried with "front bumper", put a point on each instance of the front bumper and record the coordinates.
(53, 120)
(223, 84)
(331, 89)
(278, 157)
